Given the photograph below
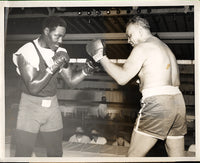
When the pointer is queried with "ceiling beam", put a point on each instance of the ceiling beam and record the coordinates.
(121, 61)
(110, 38)
(110, 42)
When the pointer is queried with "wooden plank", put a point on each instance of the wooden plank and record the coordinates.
(112, 96)
(120, 123)
(104, 82)
(121, 61)
(189, 99)
(98, 85)
(79, 95)
(105, 36)
(186, 69)
(74, 108)
(187, 78)
(187, 87)
(83, 42)
(185, 66)
(90, 95)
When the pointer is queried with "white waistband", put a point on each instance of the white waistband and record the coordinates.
(162, 90)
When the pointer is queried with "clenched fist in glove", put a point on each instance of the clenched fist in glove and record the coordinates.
(60, 59)
(95, 49)
(89, 68)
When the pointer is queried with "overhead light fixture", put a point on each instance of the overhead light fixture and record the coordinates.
(128, 11)
(89, 12)
(118, 11)
(79, 12)
(108, 11)
(98, 12)
(148, 10)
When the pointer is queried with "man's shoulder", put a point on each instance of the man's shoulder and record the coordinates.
(140, 51)
(28, 52)
(27, 45)
(146, 48)
(102, 139)
(147, 45)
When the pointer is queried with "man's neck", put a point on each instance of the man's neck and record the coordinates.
(42, 42)
(147, 36)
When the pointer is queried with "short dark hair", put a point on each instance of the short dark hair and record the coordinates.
(140, 21)
(52, 22)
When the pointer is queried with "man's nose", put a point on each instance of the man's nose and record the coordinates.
(60, 40)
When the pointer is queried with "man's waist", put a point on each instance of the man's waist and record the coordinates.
(161, 90)
(38, 97)
(47, 102)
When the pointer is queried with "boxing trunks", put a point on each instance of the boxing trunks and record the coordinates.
(162, 113)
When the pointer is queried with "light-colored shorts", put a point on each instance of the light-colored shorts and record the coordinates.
(39, 114)
(161, 116)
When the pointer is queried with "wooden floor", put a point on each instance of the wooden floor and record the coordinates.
(89, 150)
(78, 150)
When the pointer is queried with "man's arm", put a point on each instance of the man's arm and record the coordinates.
(72, 78)
(34, 80)
(174, 70)
(123, 74)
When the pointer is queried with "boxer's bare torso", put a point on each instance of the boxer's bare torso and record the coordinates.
(150, 59)
(159, 67)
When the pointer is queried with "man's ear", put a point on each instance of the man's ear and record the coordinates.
(140, 31)
(46, 31)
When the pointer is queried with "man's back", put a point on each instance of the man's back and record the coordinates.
(159, 67)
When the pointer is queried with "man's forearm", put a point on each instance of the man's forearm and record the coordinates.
(115, 71)
(72, 79)
(39, 82)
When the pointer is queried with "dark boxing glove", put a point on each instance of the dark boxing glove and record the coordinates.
(60, 59)
(95, 49)
(89, 68)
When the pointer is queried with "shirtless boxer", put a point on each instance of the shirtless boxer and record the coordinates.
(39, 63)
(162, 114)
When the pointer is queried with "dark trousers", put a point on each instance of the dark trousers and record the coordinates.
(25, 142)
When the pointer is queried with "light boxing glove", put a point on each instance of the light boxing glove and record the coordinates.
(60, 59)
(95, 49)
(89, 68)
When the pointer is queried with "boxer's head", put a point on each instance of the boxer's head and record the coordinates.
(136, 29)
(53, 31)
(139, 21)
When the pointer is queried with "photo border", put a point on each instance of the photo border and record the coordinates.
(94, 3)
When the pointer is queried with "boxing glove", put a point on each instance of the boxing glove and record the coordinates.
(60, 59)
(89, 68)
(95, 49)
